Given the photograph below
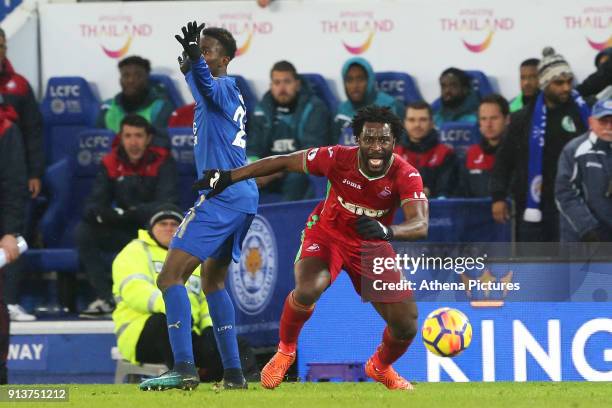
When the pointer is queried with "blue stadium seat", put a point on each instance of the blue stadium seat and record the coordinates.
(69, 106)
(6, 7)
(166, 85)
(347, 138)
(322, 90)
(181, 142)
(69, 182)
(460, 136)
(480, 82)
(250, 100)
(399, 85)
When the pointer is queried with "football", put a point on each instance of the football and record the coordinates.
(446, 332)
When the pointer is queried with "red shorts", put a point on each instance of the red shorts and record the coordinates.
(362, 260)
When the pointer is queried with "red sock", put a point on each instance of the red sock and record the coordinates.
(292, 320)
(390, 350)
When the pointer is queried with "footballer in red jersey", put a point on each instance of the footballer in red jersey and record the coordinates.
(347, 231)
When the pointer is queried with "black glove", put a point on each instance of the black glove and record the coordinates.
(184, 63)
(369, 228)
(191, 40)
(216, 180)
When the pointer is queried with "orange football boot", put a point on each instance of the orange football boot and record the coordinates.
(389, 377)
(274, 372)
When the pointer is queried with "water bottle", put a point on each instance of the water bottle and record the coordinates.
(21, 244)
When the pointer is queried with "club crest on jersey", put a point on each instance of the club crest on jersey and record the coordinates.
(385, 193)
(312, 154)
(253, 278)
(359, 210)
(352, 184)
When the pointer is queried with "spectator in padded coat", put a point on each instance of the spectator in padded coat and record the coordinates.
(13, 196)
(288, 118)
(435, 161)
(493, 121)
(137, 96)
(361, 90)
(583, 189)
(458, 100)
(134, 178)
(19, 105)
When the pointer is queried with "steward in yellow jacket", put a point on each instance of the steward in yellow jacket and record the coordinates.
(140, 320)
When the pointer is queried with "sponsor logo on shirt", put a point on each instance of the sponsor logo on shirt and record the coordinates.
(313, 248)
(352, 184)
(359, 210)
(283, 145)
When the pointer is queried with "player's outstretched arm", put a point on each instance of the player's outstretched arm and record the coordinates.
(416, 224)
(218, 180)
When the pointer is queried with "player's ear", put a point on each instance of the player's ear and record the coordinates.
(226, 60)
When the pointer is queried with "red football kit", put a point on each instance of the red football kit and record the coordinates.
(330, 233)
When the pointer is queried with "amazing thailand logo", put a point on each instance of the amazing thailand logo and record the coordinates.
(594, 23)
(477, 27)
(115, 34)
(244, 27)
(357, 29)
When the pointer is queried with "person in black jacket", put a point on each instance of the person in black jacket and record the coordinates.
(526, 162)
(13, 196)
(19, 104)
(134, 178)
(598, 80)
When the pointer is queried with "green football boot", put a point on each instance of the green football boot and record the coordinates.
(184, 376)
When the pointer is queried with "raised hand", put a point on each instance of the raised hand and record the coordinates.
(191, 39)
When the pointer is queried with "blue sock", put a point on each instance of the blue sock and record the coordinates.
(224, 325)
(178, 317)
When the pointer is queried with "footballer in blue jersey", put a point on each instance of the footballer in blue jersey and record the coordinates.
(212, 231)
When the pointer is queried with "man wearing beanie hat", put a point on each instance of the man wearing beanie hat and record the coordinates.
(140, 319)
(527, 158)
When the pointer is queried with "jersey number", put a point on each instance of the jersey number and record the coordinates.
(240, 118)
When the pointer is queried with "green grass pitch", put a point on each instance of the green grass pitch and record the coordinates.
(350, 395)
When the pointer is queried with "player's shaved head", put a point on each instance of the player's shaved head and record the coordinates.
(376, 114)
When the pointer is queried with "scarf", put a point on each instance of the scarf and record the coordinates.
(536, 147)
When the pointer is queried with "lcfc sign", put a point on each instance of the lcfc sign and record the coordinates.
(253, 279)
(65, 98)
